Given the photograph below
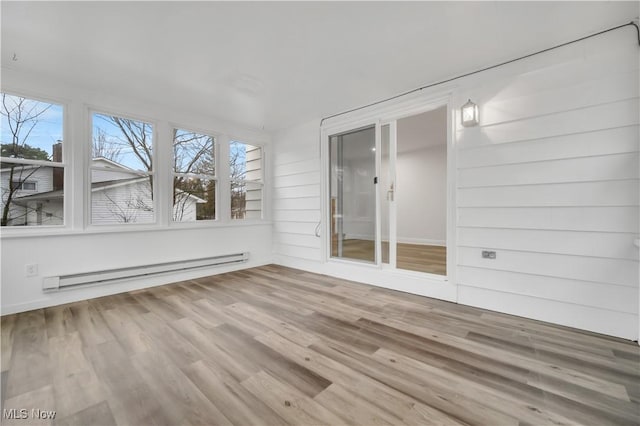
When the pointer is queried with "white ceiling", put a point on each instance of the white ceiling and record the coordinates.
(273, 65)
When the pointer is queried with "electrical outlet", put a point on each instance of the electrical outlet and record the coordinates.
(486, 254)
(31, 270)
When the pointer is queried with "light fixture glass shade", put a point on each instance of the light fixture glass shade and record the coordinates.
(469, 114)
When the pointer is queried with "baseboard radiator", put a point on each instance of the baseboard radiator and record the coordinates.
(118, 274)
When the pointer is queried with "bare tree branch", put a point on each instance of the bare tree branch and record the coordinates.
(21, 118)
(102, 147)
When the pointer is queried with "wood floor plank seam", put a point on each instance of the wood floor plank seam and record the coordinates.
(276, 346)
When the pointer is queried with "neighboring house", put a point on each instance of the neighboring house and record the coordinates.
(118, 195)
(246, 197)
(36, 201)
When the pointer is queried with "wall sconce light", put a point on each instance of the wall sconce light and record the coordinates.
(469, 114)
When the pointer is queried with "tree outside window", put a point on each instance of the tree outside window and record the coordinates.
(194, 176)
(246, 182)
(31, 168)
(122, 170)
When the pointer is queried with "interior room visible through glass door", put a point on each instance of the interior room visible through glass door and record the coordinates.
(420, 192)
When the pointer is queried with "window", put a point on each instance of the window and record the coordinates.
(194, 176)
(121, 170)
(246, 180)
(31, 166)
(25, 186)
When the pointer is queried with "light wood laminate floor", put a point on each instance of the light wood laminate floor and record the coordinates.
(276, 346)
(412, 257)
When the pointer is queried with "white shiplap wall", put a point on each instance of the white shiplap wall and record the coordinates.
(550, 180)
(296, 193)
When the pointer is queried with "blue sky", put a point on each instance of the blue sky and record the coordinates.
(117, 139)
(240, 149)
(47, 131)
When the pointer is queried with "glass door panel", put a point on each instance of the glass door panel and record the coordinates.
(419, 162)
(353, 195)
(386, 194)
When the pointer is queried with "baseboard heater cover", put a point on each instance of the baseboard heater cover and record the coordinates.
(105, 276)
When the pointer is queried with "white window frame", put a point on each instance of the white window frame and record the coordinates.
(385, 114)
(215, 177)
(88, 178)
(21, 185)
(64, 165)
(260, 182)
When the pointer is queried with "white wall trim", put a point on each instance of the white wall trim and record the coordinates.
(419, 284)
(388, 112)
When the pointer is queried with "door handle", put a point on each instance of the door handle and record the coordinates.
(390, 193)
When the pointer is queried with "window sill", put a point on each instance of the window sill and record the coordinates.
(6, 234)
(177, 226)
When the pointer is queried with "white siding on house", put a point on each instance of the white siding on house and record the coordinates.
(46, 212)
(98, 175)
(185, 209)
(550, 180)
(42, 176)
(254, 191)
(123, 203)
(125, 200)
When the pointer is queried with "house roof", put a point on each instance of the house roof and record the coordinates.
(109, 165)
(95, 187)
(22, 166)
(99, 186)
(112, 164)
(115, 182)
(49, 195)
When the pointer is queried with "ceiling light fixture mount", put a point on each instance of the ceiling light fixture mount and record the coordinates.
(469, 114)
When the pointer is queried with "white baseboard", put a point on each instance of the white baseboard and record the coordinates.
(391, 279)
(604, 321)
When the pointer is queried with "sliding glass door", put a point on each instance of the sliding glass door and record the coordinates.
(388, 193)
(387, 188)
(414, 189)
(352, 188)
